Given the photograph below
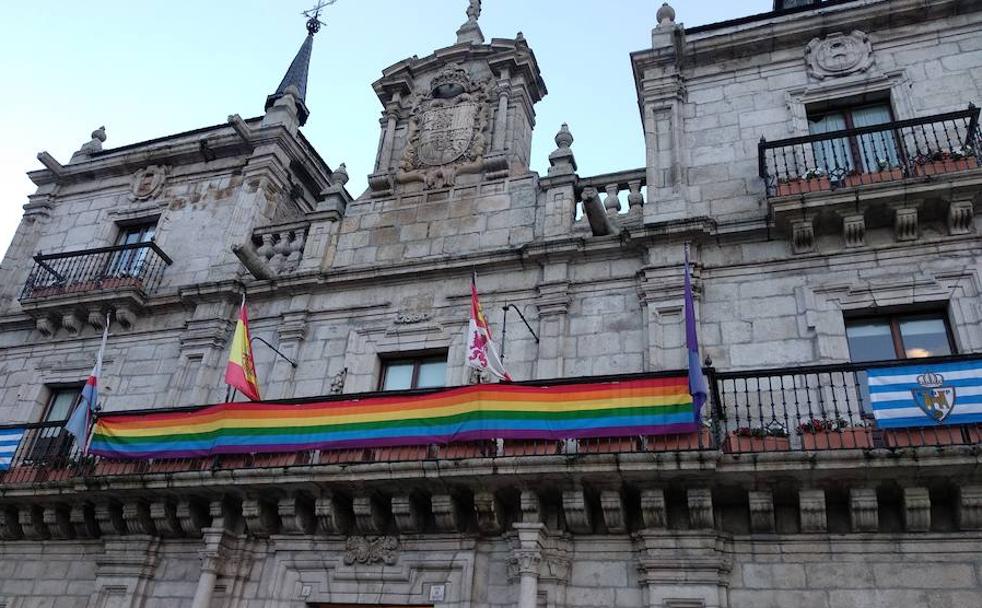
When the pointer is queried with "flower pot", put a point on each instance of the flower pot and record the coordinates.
(467, 449)
(846, 439)
(948, 165)
(607, 445)
(974, 434)
(803, 186)
(735, 443)
(877, 177)
(922, 437)
(700, 440)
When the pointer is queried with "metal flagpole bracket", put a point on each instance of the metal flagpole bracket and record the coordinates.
(504, 325)
(276, 350)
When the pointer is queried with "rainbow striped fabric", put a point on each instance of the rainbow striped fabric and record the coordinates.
(491, 411)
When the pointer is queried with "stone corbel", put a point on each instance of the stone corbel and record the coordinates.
(654, 513)
(854, 230)
(333, 518)
(578, 517)
(261, 517)
(961, 217)
(138, 520)
(490, 516)
(10, 528)
(905, 224)
(32, 523)
(612, 505)
(82, 517)
(57, 521)
(700, 501)
(109, 516)
(446, 512)
(761, 510)
(165, 519)
(917, 510)
(370, 516)
(406, 514)
(803, 236)
(193, 517)
(296, 514)
(863, 510)
(970, 508)
(227, 513)
(72, 322)
(125, 316)
(47, 326)
(531, 505)
(811, 505)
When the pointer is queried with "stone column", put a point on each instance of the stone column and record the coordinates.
(526, 556)
(388, 140)
(501, 118)
(218, 544)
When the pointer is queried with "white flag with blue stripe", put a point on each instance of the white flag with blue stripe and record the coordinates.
(9, 442)
(927, 394)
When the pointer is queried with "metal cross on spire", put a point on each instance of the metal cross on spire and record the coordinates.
(313, 15)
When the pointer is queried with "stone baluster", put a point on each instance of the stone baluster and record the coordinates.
(635, 200)
(265, 250)
(612, 203)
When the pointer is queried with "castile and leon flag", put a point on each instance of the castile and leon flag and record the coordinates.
(481, 352)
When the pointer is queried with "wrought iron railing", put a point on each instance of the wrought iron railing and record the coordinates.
(139, 266)
(921, 147)
(793, 409)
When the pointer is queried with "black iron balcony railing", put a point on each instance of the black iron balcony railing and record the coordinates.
(139, 266)
(794, 409)
(921, 147)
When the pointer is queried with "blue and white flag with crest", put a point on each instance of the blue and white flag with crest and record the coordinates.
(927, 395)
(9, 442)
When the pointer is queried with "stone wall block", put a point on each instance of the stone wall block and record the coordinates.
(612, 505)
(489, 512)
(917, 509)
(761, 510)
(863, 510)
(446, 512)
(970, 507)
(812, 510)
(653, 510)
(577, 511)
(700, 502)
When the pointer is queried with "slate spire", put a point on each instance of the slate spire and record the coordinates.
(296, 75)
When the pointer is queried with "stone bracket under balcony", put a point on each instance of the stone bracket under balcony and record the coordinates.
(68, 291)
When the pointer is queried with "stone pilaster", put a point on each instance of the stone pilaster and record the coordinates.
(553, 305)
(683, 568)
(525, 559)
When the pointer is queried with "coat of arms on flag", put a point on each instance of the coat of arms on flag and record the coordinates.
(481, 352)
(932, 396)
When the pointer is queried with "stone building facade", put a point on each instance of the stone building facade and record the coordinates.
(795, 240)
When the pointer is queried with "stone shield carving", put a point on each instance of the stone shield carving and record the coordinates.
(147, 182)
(839, 55)
(447, 130)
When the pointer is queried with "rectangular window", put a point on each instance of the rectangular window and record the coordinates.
(899, 336)
(866, 153)
(51, 443)
(429, 371)
(130, 262)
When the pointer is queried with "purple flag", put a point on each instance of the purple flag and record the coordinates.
(697, 383)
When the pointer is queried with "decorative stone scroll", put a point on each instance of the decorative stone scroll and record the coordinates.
(839, 55)
(371, 550)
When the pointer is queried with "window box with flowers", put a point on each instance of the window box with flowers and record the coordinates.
(812, 180)
(746, 439)
(883, 173)
(923, 437)
(961, 158)
(833, 434)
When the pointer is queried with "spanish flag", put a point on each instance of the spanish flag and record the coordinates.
(241, 371)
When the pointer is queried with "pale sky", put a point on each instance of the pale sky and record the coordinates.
(152, 68)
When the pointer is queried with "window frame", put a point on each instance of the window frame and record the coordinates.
(53, 392)
(894, 319)
(417, 359)
(846, 108)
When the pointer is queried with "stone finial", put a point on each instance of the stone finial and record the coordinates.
(93, 145)
(470, 32)
(341, 174)
(562, 161)
(665, 15)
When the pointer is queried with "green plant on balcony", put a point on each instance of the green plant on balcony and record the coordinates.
(812, 180)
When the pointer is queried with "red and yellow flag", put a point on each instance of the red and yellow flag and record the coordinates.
(481, 352)
(241, 371)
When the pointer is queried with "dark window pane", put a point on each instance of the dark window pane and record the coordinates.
(61, 405)
(398, 376)
(432, 374)
(870, 341)
(925, 338)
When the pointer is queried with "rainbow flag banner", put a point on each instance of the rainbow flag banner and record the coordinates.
(651, 406)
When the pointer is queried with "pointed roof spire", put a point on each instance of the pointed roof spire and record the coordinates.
(295, 80)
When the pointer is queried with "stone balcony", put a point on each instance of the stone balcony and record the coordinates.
(897, 175)
(67, 290)
(787, 451)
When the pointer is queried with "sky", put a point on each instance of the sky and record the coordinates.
(152, 68)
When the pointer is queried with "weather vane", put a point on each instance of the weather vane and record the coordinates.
(313, 15)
